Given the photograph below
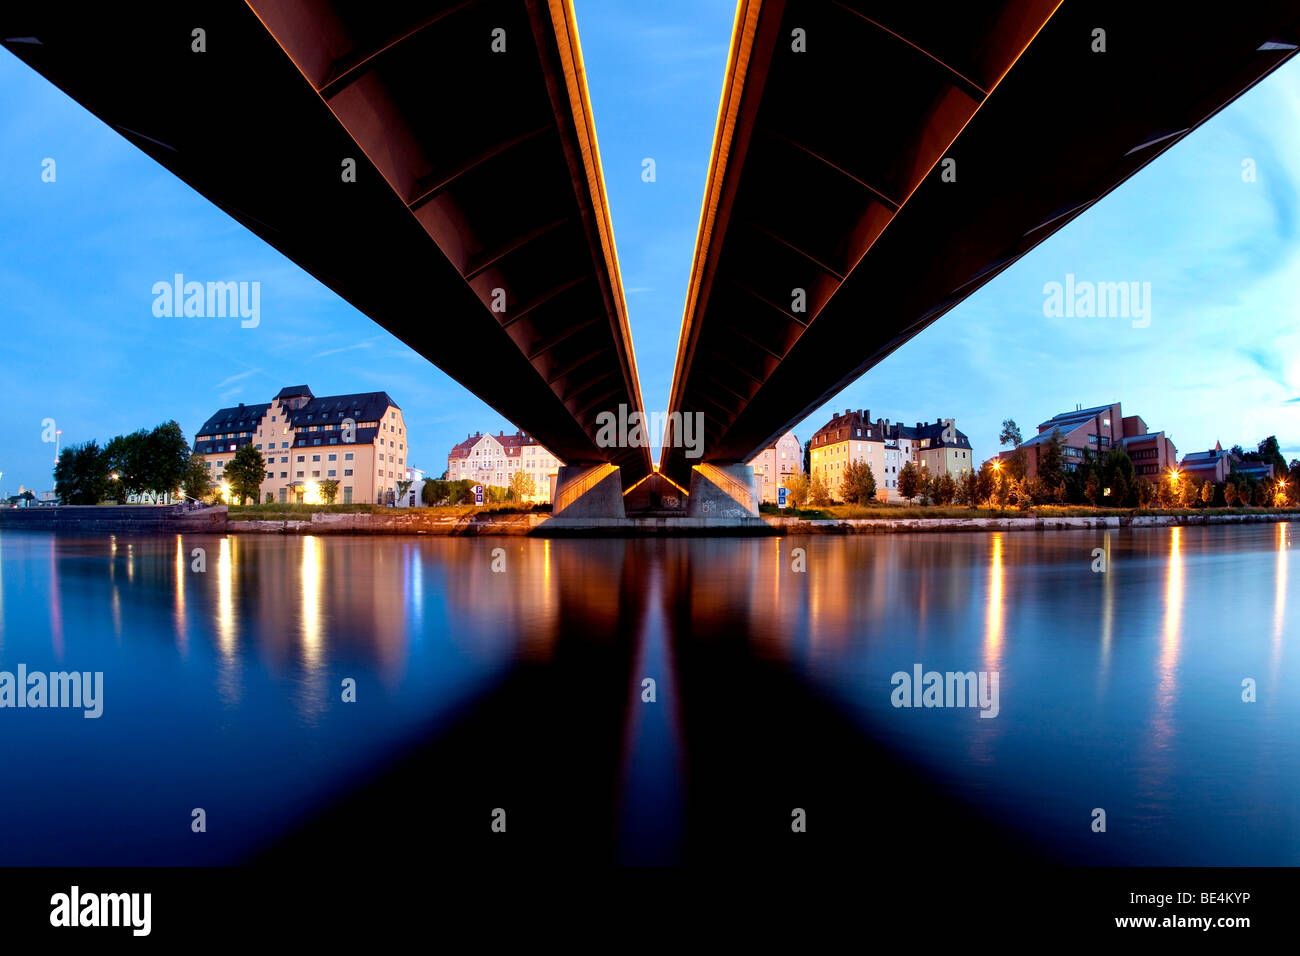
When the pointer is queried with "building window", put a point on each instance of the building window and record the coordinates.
(347, 472)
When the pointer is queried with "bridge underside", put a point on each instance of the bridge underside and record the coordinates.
(831, 234)
(476, 230)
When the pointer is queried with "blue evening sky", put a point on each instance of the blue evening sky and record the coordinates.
(78, 258)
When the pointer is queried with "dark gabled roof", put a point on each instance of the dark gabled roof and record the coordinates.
(891, 432)
(237, 419)
(933, 431)
(332, 409)
(461, 449)
(360, 407)
(510, 444)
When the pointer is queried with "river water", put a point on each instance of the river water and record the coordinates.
(511, 675)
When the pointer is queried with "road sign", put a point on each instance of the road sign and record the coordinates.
(780, 497)
(478, 494)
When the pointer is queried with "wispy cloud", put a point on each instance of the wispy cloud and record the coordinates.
(236, 378)
(346, 348)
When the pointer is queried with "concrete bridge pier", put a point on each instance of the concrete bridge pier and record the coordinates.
(588, 490)
(723, 491)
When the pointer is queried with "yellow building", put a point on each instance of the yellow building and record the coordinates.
(358, 440)
(937, 448)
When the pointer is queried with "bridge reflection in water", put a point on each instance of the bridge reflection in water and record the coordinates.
(523, 689)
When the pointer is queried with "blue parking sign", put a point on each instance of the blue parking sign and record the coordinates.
(780, 497)
(478, 494)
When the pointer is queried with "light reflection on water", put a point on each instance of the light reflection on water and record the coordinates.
(1119, 689)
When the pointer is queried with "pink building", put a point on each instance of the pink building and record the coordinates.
(1098, 430)
(776, 464)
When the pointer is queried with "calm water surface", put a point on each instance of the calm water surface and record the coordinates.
(1120, 690)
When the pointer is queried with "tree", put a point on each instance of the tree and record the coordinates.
(434, 492)
(930, 487)
(946, 490)
(1261, 495)
(1168, 495)
(1118, 474)
(1270, 452)
(197, 479)
(1243, 493)
(986, 483)
(807, 457)
(796, 490)
(125, 458)
(909, 481)
(1146, 493)
(818, 495)
(81, 474)
(1024, 493)
(166, 458)
(967, 488)
(1207, 493)
(329, 490)
(403, 489)
(1051, 459)
(522, 485)
(1230, 493)
(858, 485)
(1189, 493)
(1091, 488)
(245, 473)
(1003, 488)
(1010, 433)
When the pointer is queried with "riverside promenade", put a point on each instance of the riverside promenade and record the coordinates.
(126, 519)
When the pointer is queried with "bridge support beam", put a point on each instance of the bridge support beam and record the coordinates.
(588, 490)
(723, 491)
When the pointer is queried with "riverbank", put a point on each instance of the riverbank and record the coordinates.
(449, 522)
